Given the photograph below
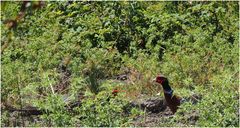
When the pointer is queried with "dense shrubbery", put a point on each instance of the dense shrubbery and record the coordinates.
(195, 44)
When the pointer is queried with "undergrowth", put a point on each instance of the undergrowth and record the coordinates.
(61, 53)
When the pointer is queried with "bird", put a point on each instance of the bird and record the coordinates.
(115, 92)
(173, 101)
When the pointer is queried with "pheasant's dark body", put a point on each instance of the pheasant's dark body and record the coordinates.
(173, 101)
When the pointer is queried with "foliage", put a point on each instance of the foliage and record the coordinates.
(103, 111)
(194, 44)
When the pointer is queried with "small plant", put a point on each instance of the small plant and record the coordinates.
(104, 110)
(93, 78)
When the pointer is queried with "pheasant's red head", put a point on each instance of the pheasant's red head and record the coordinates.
(164, 82)
(161, 79)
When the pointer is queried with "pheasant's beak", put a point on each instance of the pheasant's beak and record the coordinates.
(154, 80)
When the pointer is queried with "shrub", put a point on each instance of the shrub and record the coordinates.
(104, 110)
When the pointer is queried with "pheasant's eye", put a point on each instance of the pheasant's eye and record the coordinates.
(161, 81)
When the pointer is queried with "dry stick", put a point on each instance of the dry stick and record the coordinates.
(19, 93)
(51, 86)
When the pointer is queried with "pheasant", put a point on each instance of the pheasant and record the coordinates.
(115, 92)
(173, 101)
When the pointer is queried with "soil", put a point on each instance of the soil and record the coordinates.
(157, 114)
(152, 119)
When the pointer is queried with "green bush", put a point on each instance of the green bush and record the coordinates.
(104, 110)
(193, 43)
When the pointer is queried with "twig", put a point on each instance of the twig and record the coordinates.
(51, 86)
